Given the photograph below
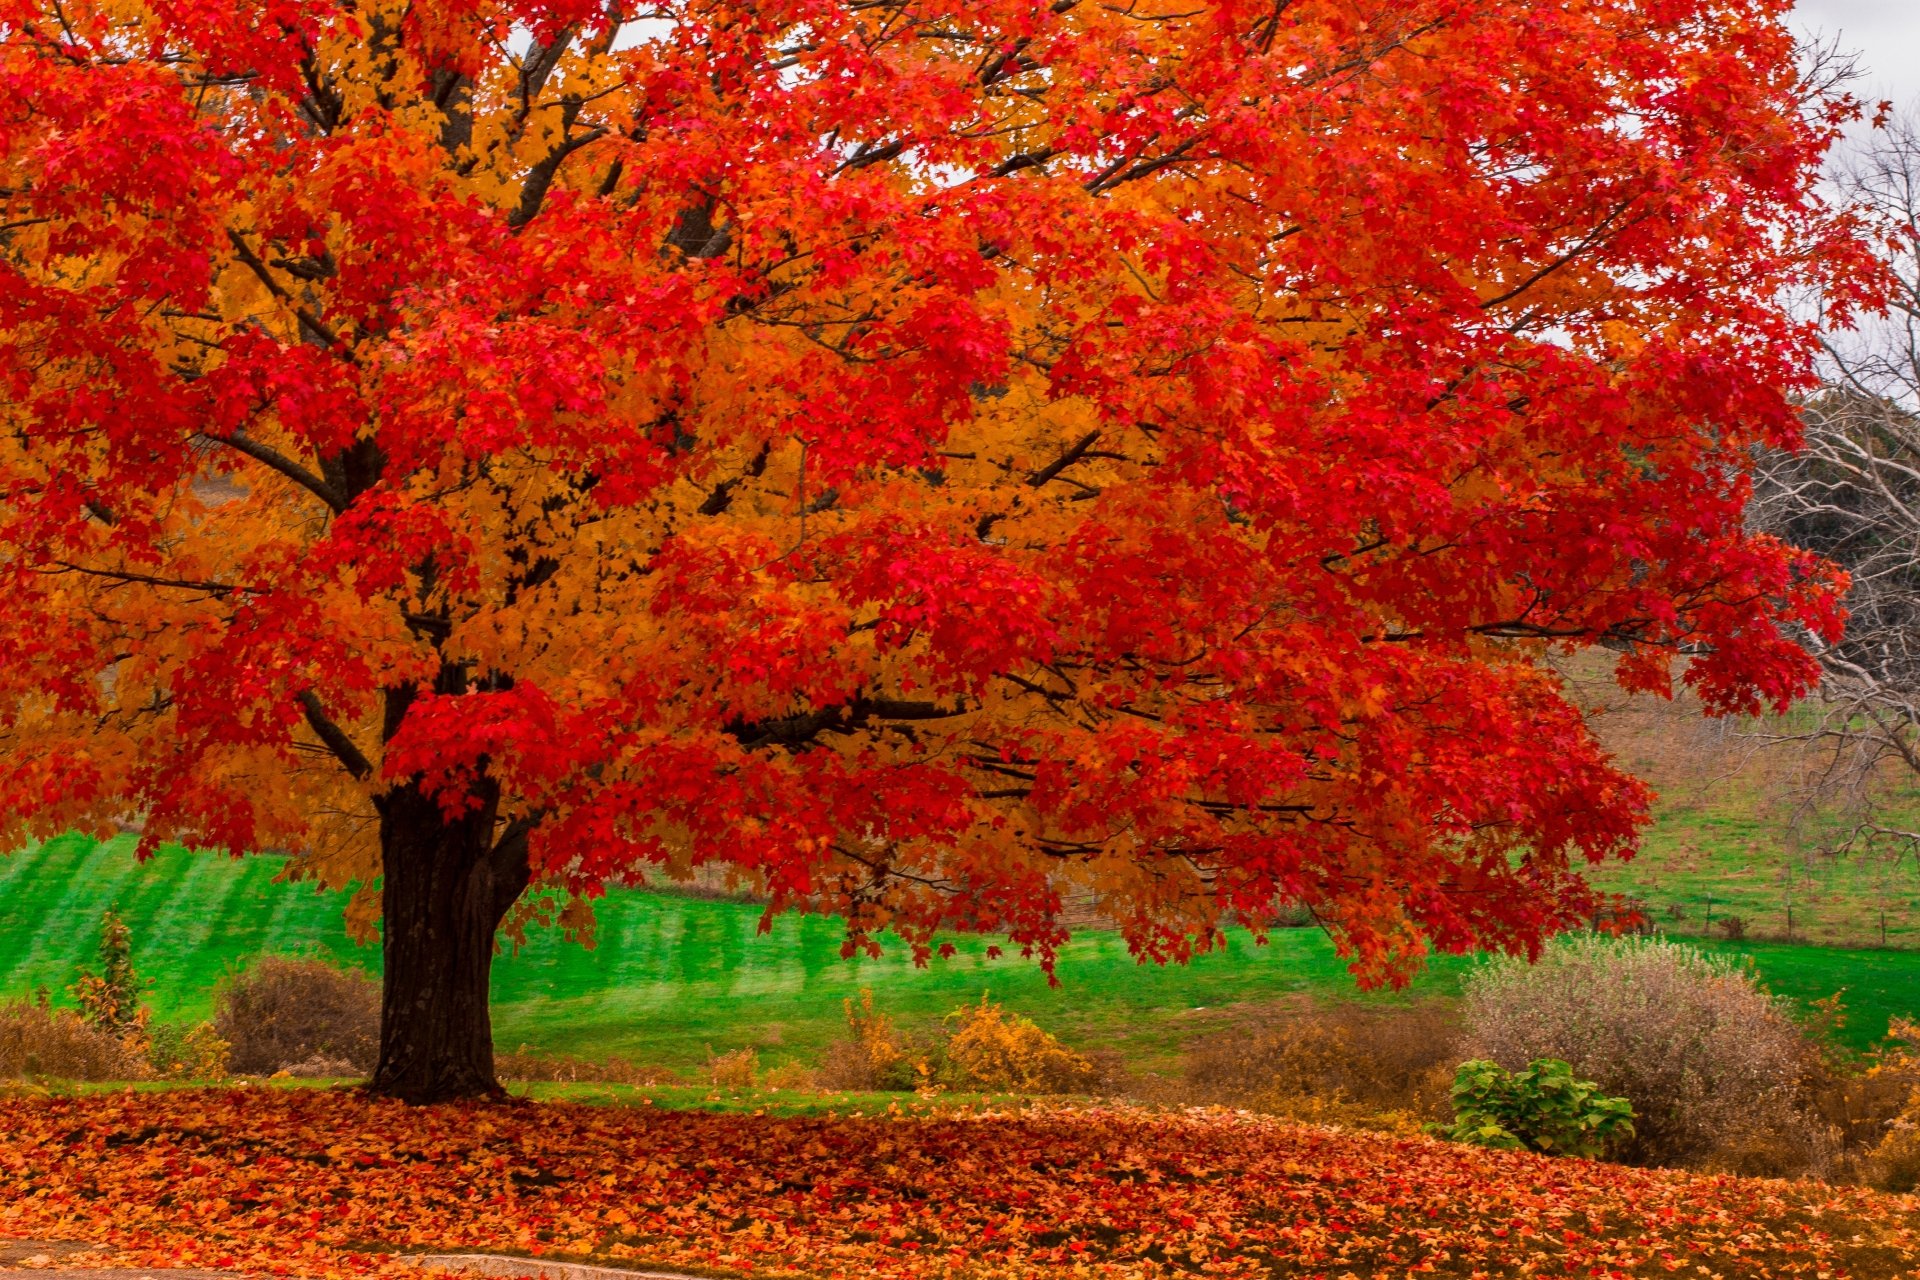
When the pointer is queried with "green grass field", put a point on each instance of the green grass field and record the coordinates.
(670, 979)
(1721, 859)
(676, 978)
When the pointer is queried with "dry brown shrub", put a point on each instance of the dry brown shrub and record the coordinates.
(845, 1067)
(528, 1065)
(41, 1042)
(872, 1054)
(1712, 1063)
(737, 1071)
(1794, 1146)
(283, 1012)
(1384, 1067)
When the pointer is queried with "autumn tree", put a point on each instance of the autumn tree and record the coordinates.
(928, 456)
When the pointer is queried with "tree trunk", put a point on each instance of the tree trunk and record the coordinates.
(447, 886)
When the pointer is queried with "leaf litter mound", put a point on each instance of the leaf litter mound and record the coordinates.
(333, 1183)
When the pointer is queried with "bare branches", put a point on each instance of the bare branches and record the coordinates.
(1853, 495)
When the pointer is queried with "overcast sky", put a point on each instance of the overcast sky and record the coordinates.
(1887, 35)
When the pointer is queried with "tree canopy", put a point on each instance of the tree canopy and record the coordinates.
(932, 456)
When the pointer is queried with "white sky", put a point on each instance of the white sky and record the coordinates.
(1886, 33)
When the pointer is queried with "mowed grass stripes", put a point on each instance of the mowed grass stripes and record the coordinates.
(674, 979)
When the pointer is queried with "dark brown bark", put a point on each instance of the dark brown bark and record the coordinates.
(447, 886)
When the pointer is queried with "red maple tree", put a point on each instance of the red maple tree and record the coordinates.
(930, 456)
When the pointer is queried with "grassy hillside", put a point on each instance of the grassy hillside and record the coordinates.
(1763, 833)
(1721, 855)
(673, 978)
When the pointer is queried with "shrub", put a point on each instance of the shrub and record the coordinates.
(872, 1055)
(978, 1047)
(186, 1051)
(1710, 1062)
(283, 1012)
(738, 1070)
(110, 1000)
(1878, 1112)
(988, 1048)
(39, 1042)
(789, 1075)
(1370, 1067)
(1543, 1108)
(1894, 1164)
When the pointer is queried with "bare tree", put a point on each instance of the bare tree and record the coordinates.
(1853, 495)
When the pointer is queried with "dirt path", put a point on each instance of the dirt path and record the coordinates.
(32, 1259)
(36, 1259)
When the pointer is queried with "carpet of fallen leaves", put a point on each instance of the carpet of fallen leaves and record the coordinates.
(332, 1183)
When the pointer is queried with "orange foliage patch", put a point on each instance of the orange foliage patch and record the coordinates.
(333, 1183)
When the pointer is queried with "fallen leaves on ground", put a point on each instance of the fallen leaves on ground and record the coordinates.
(332, 1182)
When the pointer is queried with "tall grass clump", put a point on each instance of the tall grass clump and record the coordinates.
(1712, 1063)
(38, 1041)
(1384, 1068)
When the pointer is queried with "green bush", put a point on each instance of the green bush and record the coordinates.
(1543, 1108)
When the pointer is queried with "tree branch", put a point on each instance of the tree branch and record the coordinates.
(540, 178)
(1065, 460)
(316, 328)
(512, 870)
(335, 738)
(849, 717)
(123, 575)
(272, 458)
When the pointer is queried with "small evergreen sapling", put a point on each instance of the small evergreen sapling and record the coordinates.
(110, 999)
